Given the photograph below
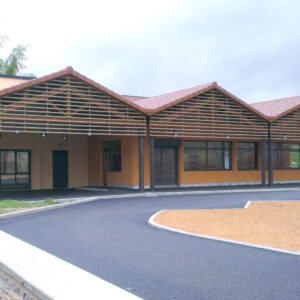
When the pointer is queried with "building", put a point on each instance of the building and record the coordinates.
(64, 130)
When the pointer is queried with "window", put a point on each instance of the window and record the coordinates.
(112, 155)
(285, 156)
(247, 156)
(14, 169)
(200, 155)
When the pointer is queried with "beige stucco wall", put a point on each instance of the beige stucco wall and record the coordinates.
(41, 156)
(8, 82)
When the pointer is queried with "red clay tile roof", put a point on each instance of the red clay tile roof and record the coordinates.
(68, 71)
(161, 101)
(274, 109)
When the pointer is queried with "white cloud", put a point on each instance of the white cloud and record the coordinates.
(151, 47)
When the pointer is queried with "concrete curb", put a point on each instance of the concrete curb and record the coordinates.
(49, 277)
(41, 209)
(220, 191)
(247, 204)
(152, 223)
(64, 202)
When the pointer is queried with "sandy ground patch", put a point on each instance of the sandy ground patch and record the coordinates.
(271, 223)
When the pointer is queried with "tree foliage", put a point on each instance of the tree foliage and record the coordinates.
(14, 63)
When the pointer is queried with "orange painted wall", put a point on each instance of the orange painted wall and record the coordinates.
(147, 161)
(128, 175)
(220, 177)
(94, 159)
(285, 175)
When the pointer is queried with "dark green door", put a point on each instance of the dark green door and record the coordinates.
(60, 169)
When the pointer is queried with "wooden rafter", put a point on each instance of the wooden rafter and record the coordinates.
(69, 105)
(212, 114)
(26, 101)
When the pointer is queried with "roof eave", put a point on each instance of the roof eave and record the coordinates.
(27, 84)
(291, 110)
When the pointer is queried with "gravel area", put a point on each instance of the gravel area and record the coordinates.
(272, 223)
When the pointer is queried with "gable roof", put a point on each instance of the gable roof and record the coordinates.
(67, 71)
(275, 109)
(152, 105)
(146, 105)
(169, 99)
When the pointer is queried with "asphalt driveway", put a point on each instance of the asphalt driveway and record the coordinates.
(112, 239)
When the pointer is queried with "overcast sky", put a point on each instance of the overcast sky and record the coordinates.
(136, 47)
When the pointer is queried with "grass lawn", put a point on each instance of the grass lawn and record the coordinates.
(270, 223)
(8, 206)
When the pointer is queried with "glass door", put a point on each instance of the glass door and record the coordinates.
(14, 169)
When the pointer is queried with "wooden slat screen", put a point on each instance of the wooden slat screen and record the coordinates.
(288, 127)
(68, 105)
(210, 115)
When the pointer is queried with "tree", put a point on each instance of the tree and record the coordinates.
(14, 63)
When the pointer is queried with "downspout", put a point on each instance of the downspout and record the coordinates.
(270, 154)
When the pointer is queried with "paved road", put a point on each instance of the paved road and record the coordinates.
(111, 239)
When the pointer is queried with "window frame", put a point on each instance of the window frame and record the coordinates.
(280, 150)
(207, 148)
(255, 156)
(28, 173)
(108, 146)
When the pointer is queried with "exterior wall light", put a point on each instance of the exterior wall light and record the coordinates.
(284, 136)
(89, 133)
(17, 132)
(175, 134)
(227, 136)
(44, 134)
(64, 137)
